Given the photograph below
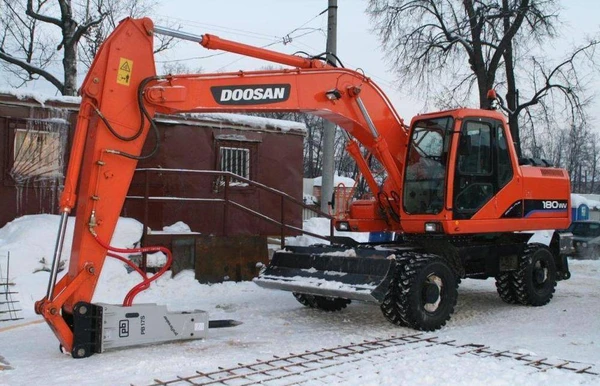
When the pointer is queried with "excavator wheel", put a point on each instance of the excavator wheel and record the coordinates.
(324, 303)
(390, 309)
(535, 279)
(422, 294)
(505, 287)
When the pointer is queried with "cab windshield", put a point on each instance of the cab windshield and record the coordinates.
(426, 166)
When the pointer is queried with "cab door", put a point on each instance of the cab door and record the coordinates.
(483, 165)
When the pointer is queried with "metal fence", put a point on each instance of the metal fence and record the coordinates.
(310, 212)
(228, 203)
(9, 307)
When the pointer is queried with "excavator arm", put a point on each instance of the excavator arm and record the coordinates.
(120, 96)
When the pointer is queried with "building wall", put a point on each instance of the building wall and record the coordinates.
(19, 196)
(276, 162)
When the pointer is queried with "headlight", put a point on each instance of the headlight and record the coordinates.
(342, 226)
(431, 227)
(584, 245)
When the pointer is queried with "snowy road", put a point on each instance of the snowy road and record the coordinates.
(275, 324)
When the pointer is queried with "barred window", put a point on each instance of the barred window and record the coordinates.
(235, 160)
(237, 157)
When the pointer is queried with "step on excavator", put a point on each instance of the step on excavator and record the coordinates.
(457, 198)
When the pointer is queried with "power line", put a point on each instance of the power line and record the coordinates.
(238, 31)
(286, 39)
(233, 31)
(278, 41)
(268, 45)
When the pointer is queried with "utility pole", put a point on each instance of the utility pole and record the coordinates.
(329, 127)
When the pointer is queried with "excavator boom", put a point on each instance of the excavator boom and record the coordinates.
(120, 96)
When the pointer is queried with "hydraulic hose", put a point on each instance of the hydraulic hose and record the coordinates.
(129, 263)
(147, 280)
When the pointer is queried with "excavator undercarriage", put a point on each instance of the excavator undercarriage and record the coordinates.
(415, 280)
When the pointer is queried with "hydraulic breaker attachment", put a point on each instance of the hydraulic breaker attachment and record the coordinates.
(100, 327)
(349, 273)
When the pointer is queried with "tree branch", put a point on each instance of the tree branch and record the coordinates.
(548, 85)
(508, 36)
(82, 29)
(46, 19)
(32, 69)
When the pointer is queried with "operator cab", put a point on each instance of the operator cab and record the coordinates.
(455, 185)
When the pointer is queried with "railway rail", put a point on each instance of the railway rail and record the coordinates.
(336, 364)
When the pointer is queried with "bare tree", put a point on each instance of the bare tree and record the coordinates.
(556, 90)
(32, 51)
(38, 13)
(446, 49)
(36, 34)
(115, 11)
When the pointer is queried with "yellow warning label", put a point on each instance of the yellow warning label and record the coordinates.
(124, 73)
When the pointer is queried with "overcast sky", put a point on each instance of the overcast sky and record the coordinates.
(263, 22)
(267, 22)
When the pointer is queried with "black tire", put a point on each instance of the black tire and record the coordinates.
(392, 305)
(506, 288)
(390, 309)
(535, 280)
(324, 303)
(422, 294)
(304, 299)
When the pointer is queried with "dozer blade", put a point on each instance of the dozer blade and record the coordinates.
(349, 273)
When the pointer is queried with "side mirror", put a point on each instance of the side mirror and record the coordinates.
(464, 145)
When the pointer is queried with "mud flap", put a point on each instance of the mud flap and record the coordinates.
(349, 273)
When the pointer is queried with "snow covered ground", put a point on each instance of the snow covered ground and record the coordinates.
(274, 323)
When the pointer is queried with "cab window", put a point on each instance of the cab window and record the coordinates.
(424, 184)
(505, 170)
(474, 150)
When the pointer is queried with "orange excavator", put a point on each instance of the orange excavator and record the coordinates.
(456, 197)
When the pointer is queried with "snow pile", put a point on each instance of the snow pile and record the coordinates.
(541, 237)
(30, 241)
(337, 180)
(324, 284)
(320, 226)
(178, 227)
(346, 253)
(309, 199)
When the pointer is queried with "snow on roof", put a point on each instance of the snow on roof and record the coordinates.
(337, 179)
(243, 120)
(41, 98)
(578, 200)
(267, 124)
